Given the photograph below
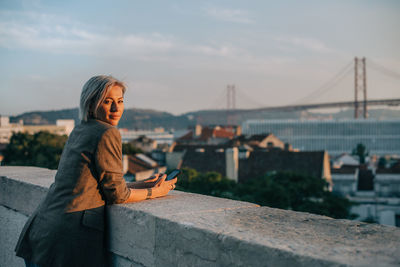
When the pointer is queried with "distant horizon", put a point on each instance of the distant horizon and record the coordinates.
(312, 111)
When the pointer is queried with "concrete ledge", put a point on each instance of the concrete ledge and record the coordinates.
(11, 224)
(184, 229)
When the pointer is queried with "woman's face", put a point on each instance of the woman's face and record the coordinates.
(111, 109)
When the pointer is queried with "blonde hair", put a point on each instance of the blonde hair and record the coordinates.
(94, 92)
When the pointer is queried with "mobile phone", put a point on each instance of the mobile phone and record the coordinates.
(173, 174)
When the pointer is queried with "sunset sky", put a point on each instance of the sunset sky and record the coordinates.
(179, 56)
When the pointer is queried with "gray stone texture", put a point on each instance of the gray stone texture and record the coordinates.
(22, 188)
(184, 229)
(11, 224)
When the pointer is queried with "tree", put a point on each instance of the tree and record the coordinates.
(285, 190)
(361, 152)
(294, 191)
(210, 183)
(41, 149)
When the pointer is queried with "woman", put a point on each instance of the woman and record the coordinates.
(67, 229)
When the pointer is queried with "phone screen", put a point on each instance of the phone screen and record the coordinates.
(173, 174)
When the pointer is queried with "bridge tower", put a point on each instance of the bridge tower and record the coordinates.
(360, 86)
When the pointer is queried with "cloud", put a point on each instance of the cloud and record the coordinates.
(217, 50)
(305, 43)
(45, 38)
(230, 15)
(154, 42)
(54, 34)
(48, 33)
(60, 35)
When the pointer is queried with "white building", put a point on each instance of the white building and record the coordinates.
(380, 203)
(380, 137)
(345, 160)
(158, 135)
(7, 129)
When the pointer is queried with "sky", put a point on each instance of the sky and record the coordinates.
(180, 56)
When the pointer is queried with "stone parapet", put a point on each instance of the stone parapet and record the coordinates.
(184, 229)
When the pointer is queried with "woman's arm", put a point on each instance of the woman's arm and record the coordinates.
(160, 190)
(108, 162)
(109, 168)
(147, 183)
(136, 195)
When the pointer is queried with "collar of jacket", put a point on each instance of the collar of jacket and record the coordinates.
(96, 121)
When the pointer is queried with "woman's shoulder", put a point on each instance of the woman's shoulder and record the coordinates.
(104, 130)
(94, 130)
(97, 126)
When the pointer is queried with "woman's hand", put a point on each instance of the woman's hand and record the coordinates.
(163, 187)
(160, 188)
(147, 183)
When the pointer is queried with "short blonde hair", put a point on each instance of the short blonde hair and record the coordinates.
(94, 92)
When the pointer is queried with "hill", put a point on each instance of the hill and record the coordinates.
(132, 118)
(147, 119)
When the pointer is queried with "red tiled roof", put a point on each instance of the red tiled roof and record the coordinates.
(208, 133)
(223, 133)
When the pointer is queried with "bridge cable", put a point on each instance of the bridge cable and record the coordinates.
(221, 98)
(242, 96)
(383, 70)
(344, 72)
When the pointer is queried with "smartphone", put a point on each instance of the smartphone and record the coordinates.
(173, 174)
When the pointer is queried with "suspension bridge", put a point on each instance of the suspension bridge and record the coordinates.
(356, 67)
(381, 102)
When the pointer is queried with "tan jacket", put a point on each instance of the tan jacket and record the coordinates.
(67, 229)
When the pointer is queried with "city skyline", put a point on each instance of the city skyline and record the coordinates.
(179, 56)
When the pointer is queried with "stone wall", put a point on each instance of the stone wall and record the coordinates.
(184, 229)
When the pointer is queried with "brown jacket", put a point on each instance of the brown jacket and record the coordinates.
(67, 229)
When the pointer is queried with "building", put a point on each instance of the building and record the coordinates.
(144, 143)
(207, 154)
(312, 163)
(380, 137)
(210, 135)
(375, 190)
(7, 129)
(62, 127)
(344, 160)
(159, 135)
(139, 167)
(230, 162)
(259, 141)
